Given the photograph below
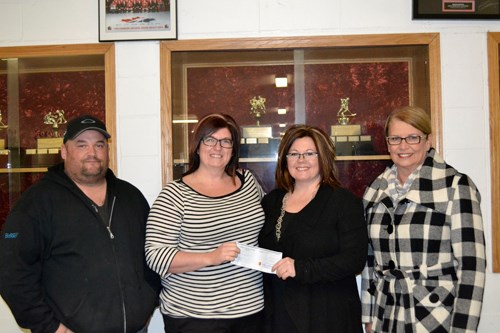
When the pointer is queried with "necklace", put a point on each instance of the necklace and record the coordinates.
(279, 221)
(280, 218)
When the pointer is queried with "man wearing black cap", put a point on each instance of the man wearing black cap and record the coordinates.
(72, 248)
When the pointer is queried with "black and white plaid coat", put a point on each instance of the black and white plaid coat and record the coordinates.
(426, 265)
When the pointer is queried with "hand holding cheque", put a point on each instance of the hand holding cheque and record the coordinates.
(257, 258)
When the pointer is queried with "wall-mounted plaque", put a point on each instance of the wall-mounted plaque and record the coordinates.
(337, 130)
(45, 143)
(456, 9)
(257, 131)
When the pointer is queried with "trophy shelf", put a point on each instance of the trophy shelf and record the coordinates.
(344, 85)
(37, 85)
(180, 161)
(22, 170)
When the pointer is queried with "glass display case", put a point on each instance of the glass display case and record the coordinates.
(41, 89)
(346, 85)
(494, 87)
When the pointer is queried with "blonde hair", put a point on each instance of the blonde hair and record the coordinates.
(412, 115)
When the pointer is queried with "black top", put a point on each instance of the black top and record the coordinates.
(328, 241)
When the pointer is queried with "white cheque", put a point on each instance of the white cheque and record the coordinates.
(257, 258)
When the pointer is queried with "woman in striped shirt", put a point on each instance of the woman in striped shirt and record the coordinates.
(191, 236)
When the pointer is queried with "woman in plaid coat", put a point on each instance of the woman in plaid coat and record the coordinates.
(426, 265)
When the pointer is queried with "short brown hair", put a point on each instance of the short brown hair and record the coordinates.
(412, 115)
(208, 125)
(326, 156)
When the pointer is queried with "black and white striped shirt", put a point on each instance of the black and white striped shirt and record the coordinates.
(182, 219)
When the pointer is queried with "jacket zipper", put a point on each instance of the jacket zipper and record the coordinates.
(111, 236)
(108, 227)
(110, 217)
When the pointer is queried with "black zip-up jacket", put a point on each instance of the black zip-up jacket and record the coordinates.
(59, 263)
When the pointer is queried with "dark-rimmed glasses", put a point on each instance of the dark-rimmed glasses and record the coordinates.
(212, 142)
(410, 139)
(307, 156)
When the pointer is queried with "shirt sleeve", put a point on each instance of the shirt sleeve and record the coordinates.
(367, 283)
(163, 229)
(468, 245)
(21, 252)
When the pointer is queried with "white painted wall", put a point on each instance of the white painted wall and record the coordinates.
(463, 64)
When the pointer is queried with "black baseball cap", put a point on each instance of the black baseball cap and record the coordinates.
(83, 123)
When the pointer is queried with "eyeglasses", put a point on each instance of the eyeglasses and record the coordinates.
(410, 139)
(212, 142)
(307, 156)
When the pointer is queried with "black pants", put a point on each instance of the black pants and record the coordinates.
(248, 324)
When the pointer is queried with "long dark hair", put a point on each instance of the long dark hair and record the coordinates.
(326, 156)
(208, 125)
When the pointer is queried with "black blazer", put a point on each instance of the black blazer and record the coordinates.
(328, 241)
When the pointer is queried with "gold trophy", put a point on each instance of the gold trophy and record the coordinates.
(256, 134)
(258, 108)
(344, 128)
(344, 113)
(54, 120)
(346, 136)
(2, 125)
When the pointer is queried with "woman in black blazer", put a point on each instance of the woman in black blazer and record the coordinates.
(320, 229)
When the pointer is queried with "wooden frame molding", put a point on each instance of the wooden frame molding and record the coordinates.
(431, 40)
(106, 50)
(494, 94)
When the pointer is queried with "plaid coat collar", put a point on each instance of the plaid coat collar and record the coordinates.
(431, 188)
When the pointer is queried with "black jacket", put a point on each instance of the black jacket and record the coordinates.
(58, 262)
(328, 241)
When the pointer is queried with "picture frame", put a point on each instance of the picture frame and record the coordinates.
(456, 9)
(127, 20)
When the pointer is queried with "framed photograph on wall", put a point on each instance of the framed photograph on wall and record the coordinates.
(137, 19)
(456, 9)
